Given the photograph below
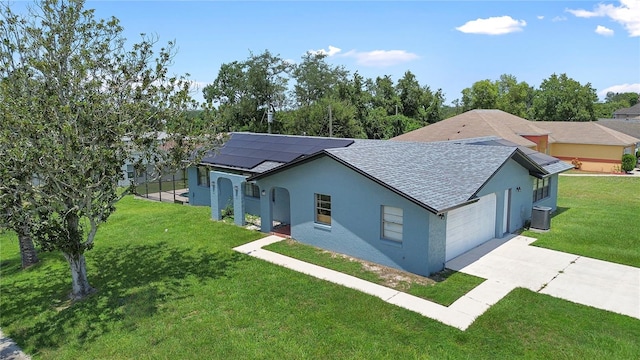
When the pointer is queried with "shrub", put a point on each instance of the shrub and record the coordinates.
(628, 162)
(577, 164)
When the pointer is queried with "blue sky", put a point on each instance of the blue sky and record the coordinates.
(446, 44)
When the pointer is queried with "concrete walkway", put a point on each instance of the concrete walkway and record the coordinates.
(9, 350)
(506, 264)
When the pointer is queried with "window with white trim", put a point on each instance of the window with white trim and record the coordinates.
(540, 188)
(323, 209)
(203, 176)
(392, 219)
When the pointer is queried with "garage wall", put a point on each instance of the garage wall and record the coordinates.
(511, 176)
(356, 217)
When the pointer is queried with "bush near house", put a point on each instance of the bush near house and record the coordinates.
(628, 162)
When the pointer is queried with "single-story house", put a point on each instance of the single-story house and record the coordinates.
(629, 127)
(596, 147)
(407, 205)
(628, 113)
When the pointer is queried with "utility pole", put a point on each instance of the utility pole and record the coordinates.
(330, 123)
(269, 117)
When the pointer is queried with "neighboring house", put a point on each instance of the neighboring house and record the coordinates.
(407, 205)
(479, 123)
(629, 127)
(628, 113)
(596, 147)
(150, 174)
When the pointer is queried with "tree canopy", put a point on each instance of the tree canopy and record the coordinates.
(78, 104)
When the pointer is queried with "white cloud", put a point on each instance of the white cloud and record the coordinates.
(331, 52)
(559, 18)
(623, 88)
(604, 31)
(627, 14)
(493, 26)
(540, 17)
(381, 58)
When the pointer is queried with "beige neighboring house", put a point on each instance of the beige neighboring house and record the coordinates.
(628, 113)
(594, 147)
(597, 147)
(481, 123)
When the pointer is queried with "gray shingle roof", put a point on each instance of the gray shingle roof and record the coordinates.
(439, 176)
(634, 110)
(549, 163)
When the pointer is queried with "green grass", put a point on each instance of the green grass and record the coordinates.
(597, 217)
(183, 293)
(449, 287)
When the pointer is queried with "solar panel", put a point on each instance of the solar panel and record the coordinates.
(246, 150)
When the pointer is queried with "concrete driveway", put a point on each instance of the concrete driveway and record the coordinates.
(579, 279)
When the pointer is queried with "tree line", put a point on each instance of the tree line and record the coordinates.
(316, 98)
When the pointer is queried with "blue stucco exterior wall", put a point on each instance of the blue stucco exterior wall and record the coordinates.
(356, 216)
(510, 176)
(552, 200)
(198, 195)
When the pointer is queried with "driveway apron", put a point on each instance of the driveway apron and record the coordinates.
(579, 279)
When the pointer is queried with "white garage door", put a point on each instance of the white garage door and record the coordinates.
(470, 226)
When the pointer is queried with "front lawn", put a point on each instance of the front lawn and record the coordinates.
(597, 217)
(169, 286)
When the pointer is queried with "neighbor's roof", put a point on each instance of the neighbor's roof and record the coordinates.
(630, 127)
(551, 164)
(256, 153)
(592, 133)
(634, 110)
(477, 123)
(438, 176)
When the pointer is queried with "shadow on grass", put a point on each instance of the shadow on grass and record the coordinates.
(132, 282)
(559, 210)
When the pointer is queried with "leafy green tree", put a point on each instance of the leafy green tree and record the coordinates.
(561, 98)
(514, 97)
(354, 92)
(327, 117)
(411, 95)
(613, 102)
(245, 91)
(432, 106)
(627, 99)
(483, 94)
(384, 95)
(315, 79)
(77, 104)
(376, 124)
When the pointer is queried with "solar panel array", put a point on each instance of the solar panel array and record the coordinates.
(246, 151)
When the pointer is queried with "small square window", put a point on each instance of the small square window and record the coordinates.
(251, 190)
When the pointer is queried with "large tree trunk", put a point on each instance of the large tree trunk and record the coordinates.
(27, 250)
(80, 286)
